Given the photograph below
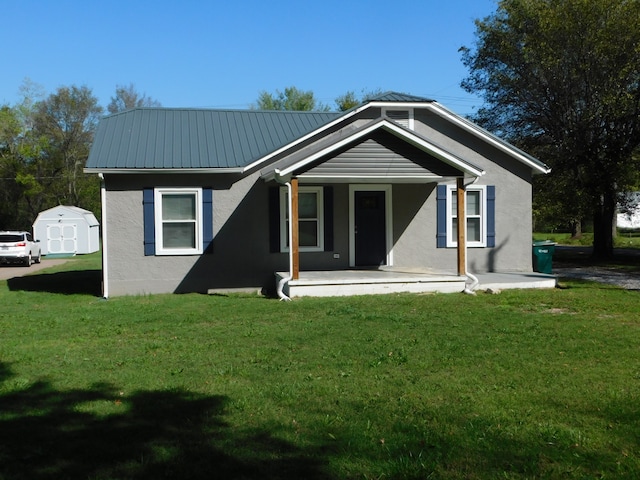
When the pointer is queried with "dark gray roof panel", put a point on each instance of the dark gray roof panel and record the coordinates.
(161, 138)
(398, 97)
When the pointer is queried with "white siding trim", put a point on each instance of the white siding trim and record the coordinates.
(487, 137)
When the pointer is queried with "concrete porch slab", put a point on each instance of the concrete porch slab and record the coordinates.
(508, 280)
(391, 280)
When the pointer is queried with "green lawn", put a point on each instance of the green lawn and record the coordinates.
(520, 385)
(622, 240)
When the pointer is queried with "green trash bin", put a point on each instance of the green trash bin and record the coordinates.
(543, 256)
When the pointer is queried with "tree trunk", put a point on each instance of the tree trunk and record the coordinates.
(576, 228)
(603, 225)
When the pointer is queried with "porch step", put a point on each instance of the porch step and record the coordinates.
(365, 282)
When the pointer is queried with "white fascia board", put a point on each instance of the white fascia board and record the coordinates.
(487, 137)
(435, 150)
(371, 179)
(395, 129)
(309, 135)
(398, 105)
(348, 114)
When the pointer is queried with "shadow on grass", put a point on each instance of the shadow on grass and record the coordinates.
(471, 446)
(88, 282)
(626, 259)
(100, 433)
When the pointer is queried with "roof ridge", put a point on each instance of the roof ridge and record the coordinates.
(208, 109)
(392, 96)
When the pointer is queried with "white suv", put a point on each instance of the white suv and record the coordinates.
(19, 247)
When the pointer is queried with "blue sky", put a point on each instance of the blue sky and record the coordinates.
(221, 54)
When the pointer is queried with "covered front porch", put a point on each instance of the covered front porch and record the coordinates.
(385, 280)
(370, 161)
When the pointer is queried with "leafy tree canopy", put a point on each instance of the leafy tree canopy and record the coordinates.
(128, 97)
(350, 99)
(561, 78)
(291, 99)
(44, 145)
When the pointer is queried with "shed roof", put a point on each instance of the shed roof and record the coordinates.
(67, 211)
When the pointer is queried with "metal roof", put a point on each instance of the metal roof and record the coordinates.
(166, 138)
(398, 97)
(201, 139)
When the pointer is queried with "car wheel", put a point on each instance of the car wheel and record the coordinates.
(38, 258)
(27, 262)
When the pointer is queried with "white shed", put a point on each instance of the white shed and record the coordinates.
(631, 220)
(67, 230)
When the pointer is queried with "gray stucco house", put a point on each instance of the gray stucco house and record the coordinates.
(197, 200)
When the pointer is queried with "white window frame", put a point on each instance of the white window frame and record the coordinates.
(452, 241)
(158, 194)
(410, 121)
(284, 207)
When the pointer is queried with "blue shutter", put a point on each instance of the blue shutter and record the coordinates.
(207, 220)
(148, 222)
(441, 216)
(328, 218)
(491, 216)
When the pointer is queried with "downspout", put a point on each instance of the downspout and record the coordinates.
(470, 290)
(105, 264)
(285, 280)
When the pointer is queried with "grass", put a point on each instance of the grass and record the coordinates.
(521, 385)
(626, 257)
(622, 240)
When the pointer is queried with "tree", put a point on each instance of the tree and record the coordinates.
(66, 122)
(561, 78)
(128, 97)
(44, 144)
(19, 149)
(291, 99)
(349, 100)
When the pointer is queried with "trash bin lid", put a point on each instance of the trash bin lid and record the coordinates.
(544, 243)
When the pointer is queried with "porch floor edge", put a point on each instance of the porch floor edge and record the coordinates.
(375, 282)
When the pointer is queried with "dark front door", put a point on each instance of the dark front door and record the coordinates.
(370, 228)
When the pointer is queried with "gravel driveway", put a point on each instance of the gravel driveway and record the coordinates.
(630, 281)
(620, 278)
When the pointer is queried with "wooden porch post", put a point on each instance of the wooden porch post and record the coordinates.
(462, 223)
(295, 250)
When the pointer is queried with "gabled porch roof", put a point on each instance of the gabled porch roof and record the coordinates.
(437, 164)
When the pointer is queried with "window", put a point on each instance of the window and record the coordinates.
(474, 214)
(178, 221)
(310, 219)
(480, 213)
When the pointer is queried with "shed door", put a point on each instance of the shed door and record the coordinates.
(62, 238)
